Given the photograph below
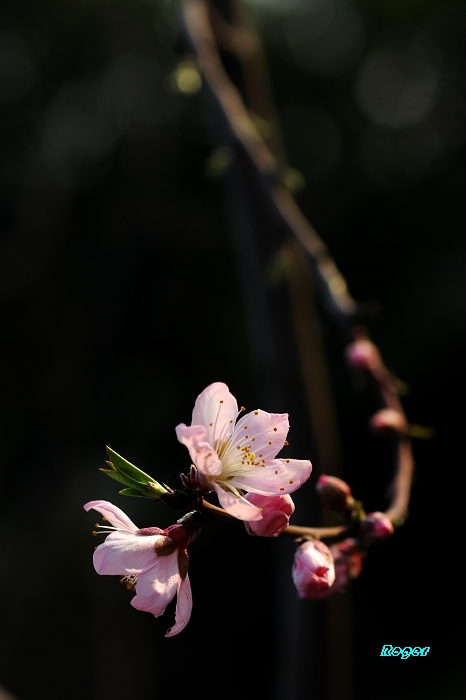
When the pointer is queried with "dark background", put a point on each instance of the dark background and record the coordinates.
(120, 302)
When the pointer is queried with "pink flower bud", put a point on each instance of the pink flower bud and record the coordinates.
(375, 528)
(276, 511)
(363, 354)
(348, 565)
(334, 493)
(388, 421)
(313, 569)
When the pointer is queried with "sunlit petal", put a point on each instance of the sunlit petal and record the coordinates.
(216, 409)
(157, 586)
(237, 506)
(123, 553)
(113, 514)
(280, 476)
(201, 452)
(184, 606)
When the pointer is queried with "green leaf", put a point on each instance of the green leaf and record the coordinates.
(122, 465)
(118, 477)
(132, 492)
(132, 477)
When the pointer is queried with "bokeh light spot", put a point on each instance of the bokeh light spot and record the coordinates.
(397, 86)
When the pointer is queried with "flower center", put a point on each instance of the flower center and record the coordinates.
(130, 582)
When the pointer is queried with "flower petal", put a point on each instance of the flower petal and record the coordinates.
(216, 409)
(280, 476)
(113, 514)
(184, 605)
(237, 506)
(157, 586)
(264, 432)
(201, 452)
(282, 504)
(125, 553)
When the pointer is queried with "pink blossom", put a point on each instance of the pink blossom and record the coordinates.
(388, 422)
(334, 493)
(152, 562)
(232, 457)
(375, 527)
(275, 510)
(313, 569)
(363, 354)
(348, 565)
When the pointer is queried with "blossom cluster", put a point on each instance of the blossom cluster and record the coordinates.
(234, 456)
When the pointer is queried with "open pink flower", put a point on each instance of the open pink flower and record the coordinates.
(313, 569)
(276, 512)
(153, 563)
(233, 457)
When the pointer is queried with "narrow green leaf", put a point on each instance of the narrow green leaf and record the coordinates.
(122, 465)
(132, 492)
(122, 478)
(132, 477)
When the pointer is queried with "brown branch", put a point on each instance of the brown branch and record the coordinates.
(331, 284)
(196, 15)
(400, 488)
(402, 482)
(212, 512)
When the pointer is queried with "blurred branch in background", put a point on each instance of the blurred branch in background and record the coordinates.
(259, 179)
(4, 695)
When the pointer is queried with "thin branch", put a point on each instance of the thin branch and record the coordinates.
(400, 488)
(246, 134)
(331, 285)
(211, 512)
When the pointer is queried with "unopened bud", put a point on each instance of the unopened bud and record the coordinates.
(313, 569)
(363, 354)
(388, 422)
(334, 493)
(276, 511)
(375, 528)
(348, 565)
